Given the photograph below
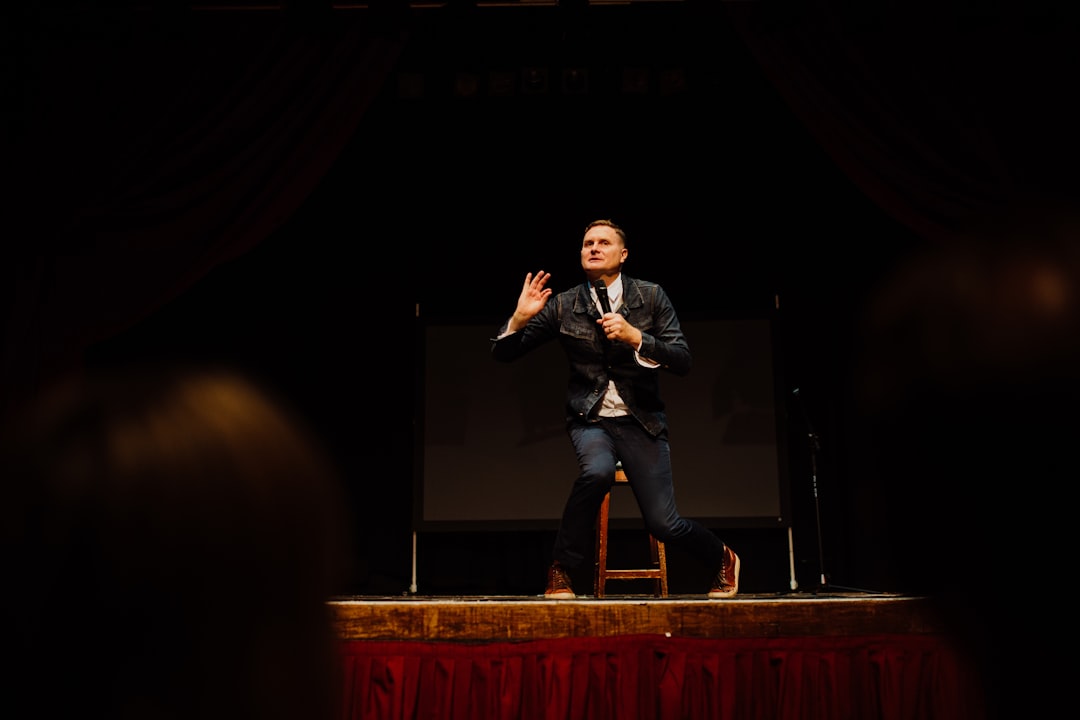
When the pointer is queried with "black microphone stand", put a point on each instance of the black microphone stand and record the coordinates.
(815, 446)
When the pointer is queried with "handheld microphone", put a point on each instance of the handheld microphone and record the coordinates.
(601, 294)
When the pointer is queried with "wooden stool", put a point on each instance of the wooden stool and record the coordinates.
(657, 573)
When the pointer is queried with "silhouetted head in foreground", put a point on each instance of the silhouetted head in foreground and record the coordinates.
(170, 540)
(970, 386)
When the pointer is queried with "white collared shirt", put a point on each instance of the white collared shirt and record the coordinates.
(612, 404)
(614, 294)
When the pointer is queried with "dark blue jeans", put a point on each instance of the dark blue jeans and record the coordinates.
(647, 462)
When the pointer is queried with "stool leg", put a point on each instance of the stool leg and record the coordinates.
(600, 572)
(660, 561)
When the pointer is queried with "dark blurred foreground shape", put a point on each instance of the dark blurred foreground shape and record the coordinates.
(970, 385)
(170, 540)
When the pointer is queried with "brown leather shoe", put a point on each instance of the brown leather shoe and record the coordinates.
(558, 584)
(726, 582)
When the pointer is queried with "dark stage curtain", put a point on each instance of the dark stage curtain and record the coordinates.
(910, 677)
(952, 115)
(147, 148)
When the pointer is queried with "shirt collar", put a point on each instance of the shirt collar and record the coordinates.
(614, 292)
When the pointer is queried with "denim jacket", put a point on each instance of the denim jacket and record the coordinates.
(571, 316)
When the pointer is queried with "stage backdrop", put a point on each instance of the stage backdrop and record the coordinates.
(492, 451)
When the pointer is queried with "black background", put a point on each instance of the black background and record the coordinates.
(445, 202)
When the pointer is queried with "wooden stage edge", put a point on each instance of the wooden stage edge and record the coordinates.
(501, 619)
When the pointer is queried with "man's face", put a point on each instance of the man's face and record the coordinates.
(602, 252)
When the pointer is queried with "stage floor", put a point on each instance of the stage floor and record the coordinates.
(489, 618)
